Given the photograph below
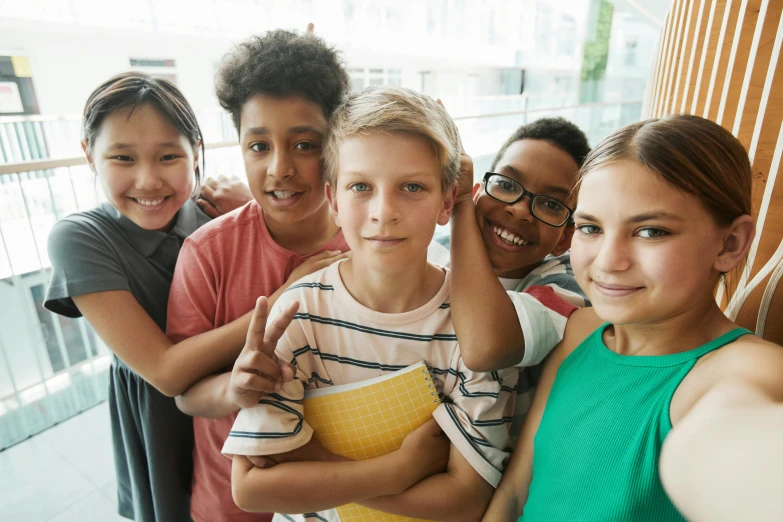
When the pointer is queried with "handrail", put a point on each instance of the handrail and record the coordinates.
(30, 166)
(548, 109)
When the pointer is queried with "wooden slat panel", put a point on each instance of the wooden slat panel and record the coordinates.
(654, 83)
(689, 30)
(659, 109)
(722, 54)
(770, 234)
(746, 119)
(707, 61)
(740, 53)
(675, 62)
(700, 29)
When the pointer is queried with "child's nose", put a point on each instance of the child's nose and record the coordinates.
(281, 166)
(521, 210)
(612, 255)
(147, 178)
(385, 209)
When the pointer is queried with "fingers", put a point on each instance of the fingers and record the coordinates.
(332, 259)
(208, 208)
(255, 332)
(277, 327)
(323, 255)
(261, 462)
(287, 370)
(208, 191)
(254, 383)
(310, 28)
(325, 259)
(257, 363)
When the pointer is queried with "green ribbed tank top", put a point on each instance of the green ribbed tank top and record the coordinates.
(597, 448)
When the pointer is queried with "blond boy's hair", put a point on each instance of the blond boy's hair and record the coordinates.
(394, 110)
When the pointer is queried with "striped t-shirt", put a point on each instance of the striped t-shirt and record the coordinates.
(543, 299)
(335, 340)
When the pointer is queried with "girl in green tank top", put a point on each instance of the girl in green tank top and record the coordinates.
(655, 406)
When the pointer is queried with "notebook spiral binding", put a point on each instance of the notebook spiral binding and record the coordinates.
(431, 386)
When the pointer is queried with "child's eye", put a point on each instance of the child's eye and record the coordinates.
(552, 204)
(258, 147)
(305, 145)
(360, 187)
(413, 187)
(169, 157)
(122, 158)
(588, 230)
(652, 233)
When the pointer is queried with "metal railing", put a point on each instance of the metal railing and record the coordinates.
(52, 367)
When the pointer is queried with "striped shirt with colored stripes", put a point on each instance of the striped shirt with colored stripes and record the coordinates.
(335, 340)
(543, 299)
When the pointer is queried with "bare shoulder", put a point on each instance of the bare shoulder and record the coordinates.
(753, 360)
(580, 325)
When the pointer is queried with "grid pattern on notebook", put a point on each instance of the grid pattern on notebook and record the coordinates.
(371, 421)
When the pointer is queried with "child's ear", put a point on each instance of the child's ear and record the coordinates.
(564, 244)
(736, 244)
(476, 192)
(330, 197)
(86, 149)
(448, 206)
(196, 153)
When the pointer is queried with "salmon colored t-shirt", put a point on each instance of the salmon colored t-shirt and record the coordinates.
(222, 270)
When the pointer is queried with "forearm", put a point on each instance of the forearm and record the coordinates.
(511, 494)
(300, 487)
(208, 398)
(188, 361)
(724, 460)
(439, 497)
(484, 317)
(504, 507)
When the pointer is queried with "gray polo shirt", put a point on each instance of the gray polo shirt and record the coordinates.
(101, 250)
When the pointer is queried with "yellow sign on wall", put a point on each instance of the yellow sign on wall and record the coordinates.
(21, 66)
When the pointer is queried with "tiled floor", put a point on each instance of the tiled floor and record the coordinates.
(65, 474)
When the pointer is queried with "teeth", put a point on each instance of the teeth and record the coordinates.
(279, 194)
(149, 202)
(509, 237)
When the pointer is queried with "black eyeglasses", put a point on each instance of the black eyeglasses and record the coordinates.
(546, 209)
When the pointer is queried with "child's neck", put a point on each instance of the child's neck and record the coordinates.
(306, 236)
(392, 293)
(693, 328)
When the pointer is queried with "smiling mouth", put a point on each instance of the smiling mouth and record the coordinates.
(150, 202)
(283, 194)
(385, 241)
(509, 237)
(616, 290)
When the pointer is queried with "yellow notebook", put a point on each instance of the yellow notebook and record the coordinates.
(371, 418)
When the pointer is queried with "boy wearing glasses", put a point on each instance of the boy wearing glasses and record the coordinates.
(512, 284)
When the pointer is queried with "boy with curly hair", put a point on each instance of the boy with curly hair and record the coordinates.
(280, 89)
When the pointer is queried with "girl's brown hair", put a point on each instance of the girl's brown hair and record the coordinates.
(695, 155)
(134, 89)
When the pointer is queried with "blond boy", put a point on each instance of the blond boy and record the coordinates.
(392, 162)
